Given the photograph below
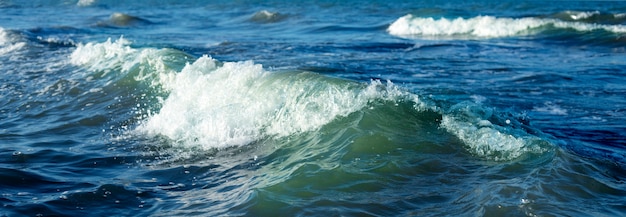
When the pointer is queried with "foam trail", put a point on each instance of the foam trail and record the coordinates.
(486, 26)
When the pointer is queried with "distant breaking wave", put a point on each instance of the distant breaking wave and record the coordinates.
(410, 26)
(265, 16)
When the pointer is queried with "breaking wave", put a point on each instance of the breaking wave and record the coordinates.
(410, 26)
(210, 105)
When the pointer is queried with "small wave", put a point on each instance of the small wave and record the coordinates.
(590, 17)
(116, 61)
(85, 3)
(486, 27)
(123, 20)
(265, 16)
(116, 55)
(9, 42)
(551, 108)
(107, 56)
(579, 15)
(476, 127)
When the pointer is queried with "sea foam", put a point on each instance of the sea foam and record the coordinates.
(472, 124)
(9, 42)
(119, 56)
(216, 105)
(410, 26)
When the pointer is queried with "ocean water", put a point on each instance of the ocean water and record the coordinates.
(312, 108)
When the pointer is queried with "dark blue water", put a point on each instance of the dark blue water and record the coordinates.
(290, 108)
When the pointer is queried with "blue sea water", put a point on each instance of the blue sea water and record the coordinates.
(312, 108)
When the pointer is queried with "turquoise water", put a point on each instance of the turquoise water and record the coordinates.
(283, 108)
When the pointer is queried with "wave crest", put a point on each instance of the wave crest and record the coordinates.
(217, 105)
(9, 42)
(486, 27)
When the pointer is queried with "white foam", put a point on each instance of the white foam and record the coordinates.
(212, 106)
(3, 36)
(551, 108)
(9, 43)
(118, 55)
(469, 122)
(580, 15)
(485, 26)
(103, 56)
(484, 140)
(84, 3)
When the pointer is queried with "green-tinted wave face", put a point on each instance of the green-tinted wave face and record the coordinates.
(302, 139)
(210, 105)
(374, 153)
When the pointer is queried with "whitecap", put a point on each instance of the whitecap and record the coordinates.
(581, 15)
(9, 42)
(217, 105)
(551, 108)
(84, 3)
(122, 19)
(265, 16)
(471, 124)
(119, 56)
(485, 27)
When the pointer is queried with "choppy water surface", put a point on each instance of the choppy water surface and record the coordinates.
(282, 108)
